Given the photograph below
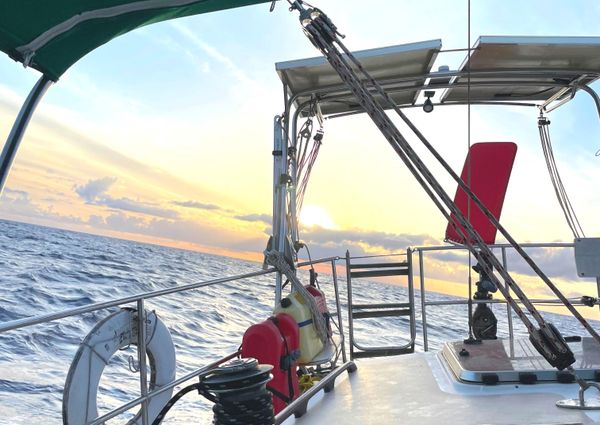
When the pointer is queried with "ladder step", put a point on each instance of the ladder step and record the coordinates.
(380, 313)
(382, 352)
(380, 273)
(382, 305)
(378, 265)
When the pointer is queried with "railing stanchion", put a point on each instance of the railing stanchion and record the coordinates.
(598, 287)
(338, 307)
(511, 335)
(349, 294)
(411, 296)
(423, 306)
(142, 358)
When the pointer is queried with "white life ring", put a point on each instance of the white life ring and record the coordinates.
(117, 331)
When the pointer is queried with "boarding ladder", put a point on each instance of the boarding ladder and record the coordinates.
(379, 310)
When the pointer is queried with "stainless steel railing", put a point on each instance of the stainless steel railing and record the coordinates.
(139, 300)
(299, 404)
(502, 249)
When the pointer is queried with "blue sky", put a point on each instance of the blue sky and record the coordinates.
(165, 134)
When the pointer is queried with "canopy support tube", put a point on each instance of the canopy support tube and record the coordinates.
(594, 96)
(19, 127)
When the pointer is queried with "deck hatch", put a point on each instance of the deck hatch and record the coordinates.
(516, 362)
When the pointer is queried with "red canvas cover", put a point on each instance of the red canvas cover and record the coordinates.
(491, 165)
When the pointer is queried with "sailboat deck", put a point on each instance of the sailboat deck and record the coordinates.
(418, 389)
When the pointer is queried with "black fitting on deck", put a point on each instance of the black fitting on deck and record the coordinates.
(550, 343)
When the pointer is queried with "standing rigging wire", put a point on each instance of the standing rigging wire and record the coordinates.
(312, 158)
(413, 162)
(468, 65)
(324, 35)
(557, 184)
(307, 153)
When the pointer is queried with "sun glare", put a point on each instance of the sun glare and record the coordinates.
(313, 215)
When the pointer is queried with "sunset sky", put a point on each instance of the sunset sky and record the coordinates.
(165, 134)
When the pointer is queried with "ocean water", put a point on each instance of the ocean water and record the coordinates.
(47, 270)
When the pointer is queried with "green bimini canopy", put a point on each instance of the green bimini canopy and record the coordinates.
(51, 35)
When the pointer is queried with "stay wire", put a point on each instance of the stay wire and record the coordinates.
(470, 278)
(488, 254)
(306, 158)
(559, 189)
(413, 162)
(485, 256)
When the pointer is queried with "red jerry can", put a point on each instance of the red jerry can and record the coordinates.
(319, 297)
(276, 341)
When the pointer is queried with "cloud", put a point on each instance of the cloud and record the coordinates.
(203, 67)
(450, 256)
(82, 145)
(212, 52)
(555, 262)
(197, 205)
(16, 193)
(18, 205)
(331, 242)
(119, 222)
(261, 218)
(94, 193)
(12, 196)
(127, 204)
(94, 188)
(194, 232)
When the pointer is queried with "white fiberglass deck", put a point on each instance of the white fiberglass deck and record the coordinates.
(416, 389)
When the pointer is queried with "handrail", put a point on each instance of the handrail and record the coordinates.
(143, 399)
(320, 260)
(139, 299)
(424, 303)
(576, 301)
(396, 254)
(140, 400)
(30, 321)
(35, 320)
(498, 245)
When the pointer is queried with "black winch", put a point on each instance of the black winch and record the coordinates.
(238, 389)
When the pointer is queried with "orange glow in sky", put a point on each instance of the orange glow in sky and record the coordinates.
(174, 144)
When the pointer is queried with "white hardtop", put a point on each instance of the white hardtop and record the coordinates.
(500, 69)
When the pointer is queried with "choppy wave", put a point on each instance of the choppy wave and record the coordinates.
(48, 270)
